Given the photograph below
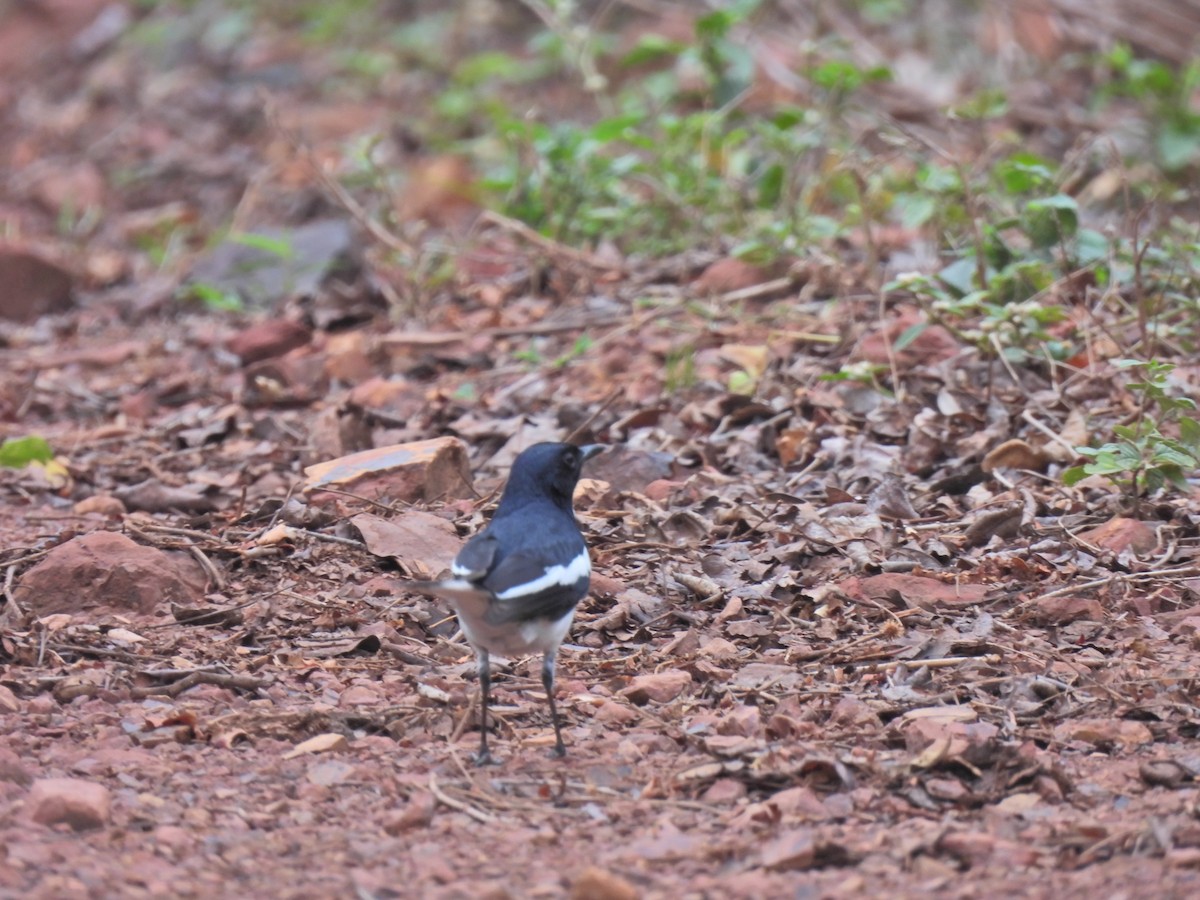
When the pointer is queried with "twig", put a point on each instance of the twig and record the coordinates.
(608, 401)
(144, 524)
(757, 290)
(209, 566)
(944, 662)
(333, 538)
(12, 609)
(238, 682)
(1048, 432)
(548, 244)
(477, 814)
(1179, 572)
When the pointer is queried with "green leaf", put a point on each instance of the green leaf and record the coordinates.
(1176, 476)
(1179, 145)
(914, 209)
(650, 48)
(613, 129)
(741, 383)
(280, 247)
(1189, 433)
(1166, 454)
(488, 67)
(770, 185)
(960, 275)
(1051, 220)
(1090, 246)
(1074, 475)
(910, 334)
(217, 299)
(16, 453)
(1024, 172)
(714, 25)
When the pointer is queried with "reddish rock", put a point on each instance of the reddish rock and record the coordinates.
(422, 470)
(1104, 732)
(792, 850)
(295, 378)
(611, 712)
(724, 791)
(658, 687)
(73, 801)
(914, 591)
(1063, 610)
(661, 490)
(267, 339)
(13, 769)
(933, 345)
(1122, 534)
(417, 813)
(72, 190)
(729, 274)
(101, 504)
(107, 571)
(31, 285)
(358, 695)
(598, 884)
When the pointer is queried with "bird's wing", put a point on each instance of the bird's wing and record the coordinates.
(545, 582)
(476, 558)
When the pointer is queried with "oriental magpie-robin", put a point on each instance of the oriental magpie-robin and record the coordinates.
(516, 584)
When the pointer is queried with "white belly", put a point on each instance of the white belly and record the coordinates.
(512, 639)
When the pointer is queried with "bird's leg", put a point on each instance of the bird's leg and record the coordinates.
(483, 757)
(560, 749)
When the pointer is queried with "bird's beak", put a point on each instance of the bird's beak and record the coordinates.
(590, 450)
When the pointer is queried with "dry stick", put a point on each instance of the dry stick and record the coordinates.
(548, 244)
(608, 401)
(384, 506)
(942, 663)
(887, 346)
(12, 608)
(209, 566)
(1049, 433)
(492, 798)
(755, 291)
(1181, 572)
(240, 682)
(339, 193)
(143, 524)
(476, 814)
(332, 538)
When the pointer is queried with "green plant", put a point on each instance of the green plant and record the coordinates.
(16, 453)
(1010, 234)
(215, 298)
(1167, 93)
(1142, 458)
(679, 371)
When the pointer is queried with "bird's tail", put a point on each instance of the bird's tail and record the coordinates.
(467, 599)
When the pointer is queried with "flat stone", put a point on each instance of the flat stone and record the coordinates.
(267, 339)
(31, 285)
(430, 470)
(107, 571)
(73, 801)
(659, 687)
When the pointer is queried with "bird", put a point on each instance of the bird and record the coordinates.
(515, 585)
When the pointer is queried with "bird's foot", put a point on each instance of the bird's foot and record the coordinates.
(558, 751)
(484, 758)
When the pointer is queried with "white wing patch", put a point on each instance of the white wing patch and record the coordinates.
(461, 571)
(555, 576)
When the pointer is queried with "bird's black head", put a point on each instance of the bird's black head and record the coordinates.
(547, 470)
